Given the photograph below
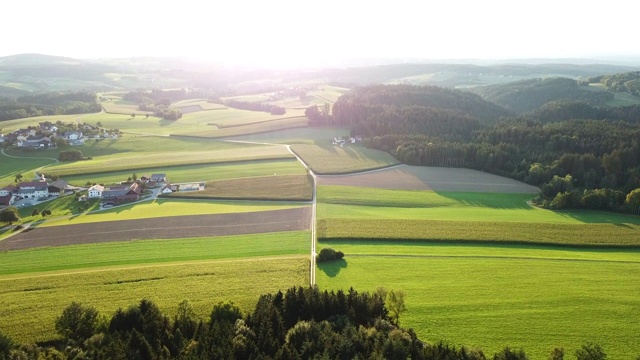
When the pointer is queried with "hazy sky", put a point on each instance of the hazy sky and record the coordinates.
(283, 32)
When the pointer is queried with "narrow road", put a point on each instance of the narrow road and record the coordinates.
(312, 272)
(36, 171)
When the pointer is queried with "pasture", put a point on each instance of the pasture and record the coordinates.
(492, 297)
(334, 159)
(41, 282)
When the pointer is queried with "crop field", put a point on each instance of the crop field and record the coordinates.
(308, 135)
(330, 159)
(202, 172)
(274, 187)
(492, 297)
(406, 177)
(137, 162)
(210, 131)
(171, 227)
(369, 213)
(41, 282)
(170, 207)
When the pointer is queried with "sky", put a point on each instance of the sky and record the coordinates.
(288, 33)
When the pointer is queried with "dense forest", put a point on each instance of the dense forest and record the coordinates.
(528, 95)
(300, 323)
(51, 103)
(580, 156)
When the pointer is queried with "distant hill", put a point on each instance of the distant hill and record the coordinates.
(454, 75)
(628, 82)
(35, 59)
(528, 95)
(406, 109)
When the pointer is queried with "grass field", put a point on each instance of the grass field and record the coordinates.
(202, 172)
(169, 207)
(139, 162)
(492, 297)
(308, 135)
(330, 159)
(227, 275)
(367, 213)
(274, 187)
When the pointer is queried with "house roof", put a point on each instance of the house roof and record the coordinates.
(158, 176)
(9, 187)
(136, 188)
(59, 184)
(38, 185)
(4, 200)
(97, 188)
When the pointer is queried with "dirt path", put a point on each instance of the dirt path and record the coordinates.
(36, 171)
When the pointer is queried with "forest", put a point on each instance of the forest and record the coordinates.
(50, 103)
(574, 151)
(299, 323)
(625, 82)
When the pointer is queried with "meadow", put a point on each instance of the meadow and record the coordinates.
(307, 135)
(333, 159)
(205, 271)
(491, 297)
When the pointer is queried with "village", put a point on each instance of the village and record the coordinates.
(50, 135)
(39, 190)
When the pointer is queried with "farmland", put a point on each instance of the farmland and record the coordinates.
(480, 265)
(329, 159)
(42, 281)
(492, 297)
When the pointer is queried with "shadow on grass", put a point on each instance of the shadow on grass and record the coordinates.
(490, 200)
(332, 268)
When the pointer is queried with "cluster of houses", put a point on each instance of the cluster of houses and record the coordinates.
(45, 134)
(120, 193)
(36, 190)
(343, 140)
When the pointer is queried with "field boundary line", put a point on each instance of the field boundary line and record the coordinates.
(492, 257)
(103, 268)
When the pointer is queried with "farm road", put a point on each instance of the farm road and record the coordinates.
(162, 228)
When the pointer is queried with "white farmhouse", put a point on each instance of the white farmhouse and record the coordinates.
(95, 191)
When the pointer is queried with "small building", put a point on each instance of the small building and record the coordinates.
(58, 187)
(72, 135)
(95, 192)
(158, 178)
(167, 189)
(122, 193)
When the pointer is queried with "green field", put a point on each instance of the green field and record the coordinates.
(367, 213)
(41, 282)
(203, 172)
(169, 207)
(307, 135)
(492, 297)
(274, 187)
(330, 159)
(139, 162)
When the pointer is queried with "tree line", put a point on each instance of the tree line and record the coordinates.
(300, 323)
(596, 150)
(51, 103)
(628, 82)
